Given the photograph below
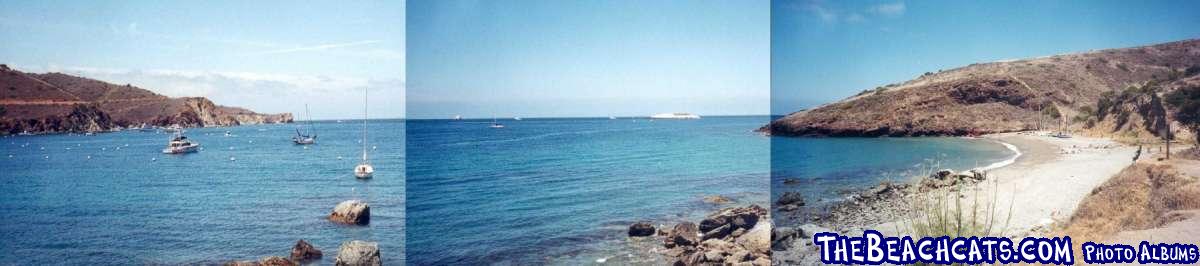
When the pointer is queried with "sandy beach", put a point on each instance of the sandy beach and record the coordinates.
(1044, 184)
(1052, 177)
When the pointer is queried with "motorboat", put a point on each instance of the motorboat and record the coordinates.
(180, 144)
(675, 116)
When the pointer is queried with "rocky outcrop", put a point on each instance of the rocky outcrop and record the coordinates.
(949, 178)
(641, 229)
(353, 212)
(731, 236)
(304, 252)
(358, 253)
(1040, 93)
(267, 261)
(56, 102)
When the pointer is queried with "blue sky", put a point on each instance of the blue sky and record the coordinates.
(824, 51)
(587, 58)
(264, 55)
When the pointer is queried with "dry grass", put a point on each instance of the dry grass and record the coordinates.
(945, 213)
(1141, 196)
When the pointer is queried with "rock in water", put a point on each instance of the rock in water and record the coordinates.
(358, 253)
(275, 261)
(717, 199)
(641, 229)
(351, 212)
(304, 252)
(791, 197)
(267, 261)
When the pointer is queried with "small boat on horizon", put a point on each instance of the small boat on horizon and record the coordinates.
(518, 118)
(675, 116)
(180, 144)
(173, 128)
(496, 124)
(457, 117)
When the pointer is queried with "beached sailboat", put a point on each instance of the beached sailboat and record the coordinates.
(305, 139)
(180, 144)
(364, 170)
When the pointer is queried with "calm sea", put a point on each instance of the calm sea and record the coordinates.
(563, 191)
(113, 198)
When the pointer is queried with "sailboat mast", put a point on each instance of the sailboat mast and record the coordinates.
(364, 140)
(311, 130)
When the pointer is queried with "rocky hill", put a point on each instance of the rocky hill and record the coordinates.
(56, 102)
(1114, 91)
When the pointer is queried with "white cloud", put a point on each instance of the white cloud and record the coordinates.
(831, 14)
(319, 47)
(855, 18)
(891, 10)
(824, 13)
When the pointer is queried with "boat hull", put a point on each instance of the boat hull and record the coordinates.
(181, 150)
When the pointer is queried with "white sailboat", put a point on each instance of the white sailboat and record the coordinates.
(496, 124)
(364, 170)
(305, 139)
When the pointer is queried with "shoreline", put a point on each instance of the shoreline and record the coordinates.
(997, 165)
(1044, 183)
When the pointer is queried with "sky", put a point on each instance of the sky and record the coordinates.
(823, 51)
(587, 58)
(268, 56)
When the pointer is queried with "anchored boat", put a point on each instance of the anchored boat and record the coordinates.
(180, 144)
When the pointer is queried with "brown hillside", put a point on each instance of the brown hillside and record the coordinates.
(56, 102)
(1003, 96)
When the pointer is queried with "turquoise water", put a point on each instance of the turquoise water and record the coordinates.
(130, 204)
(826, 169)
(563, 191)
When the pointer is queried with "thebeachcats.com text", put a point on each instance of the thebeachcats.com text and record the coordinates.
(873, 248)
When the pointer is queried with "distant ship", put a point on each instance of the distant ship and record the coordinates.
(675, 116)
(457, 117)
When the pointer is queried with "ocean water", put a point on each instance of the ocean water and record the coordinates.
(129, 204)
(828, 169)
(563, 191)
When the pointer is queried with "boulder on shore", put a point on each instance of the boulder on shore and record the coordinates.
(358, 253)
(730, 236)
(684, 234)
(304, 252)
(353, 212)
(641, 229)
